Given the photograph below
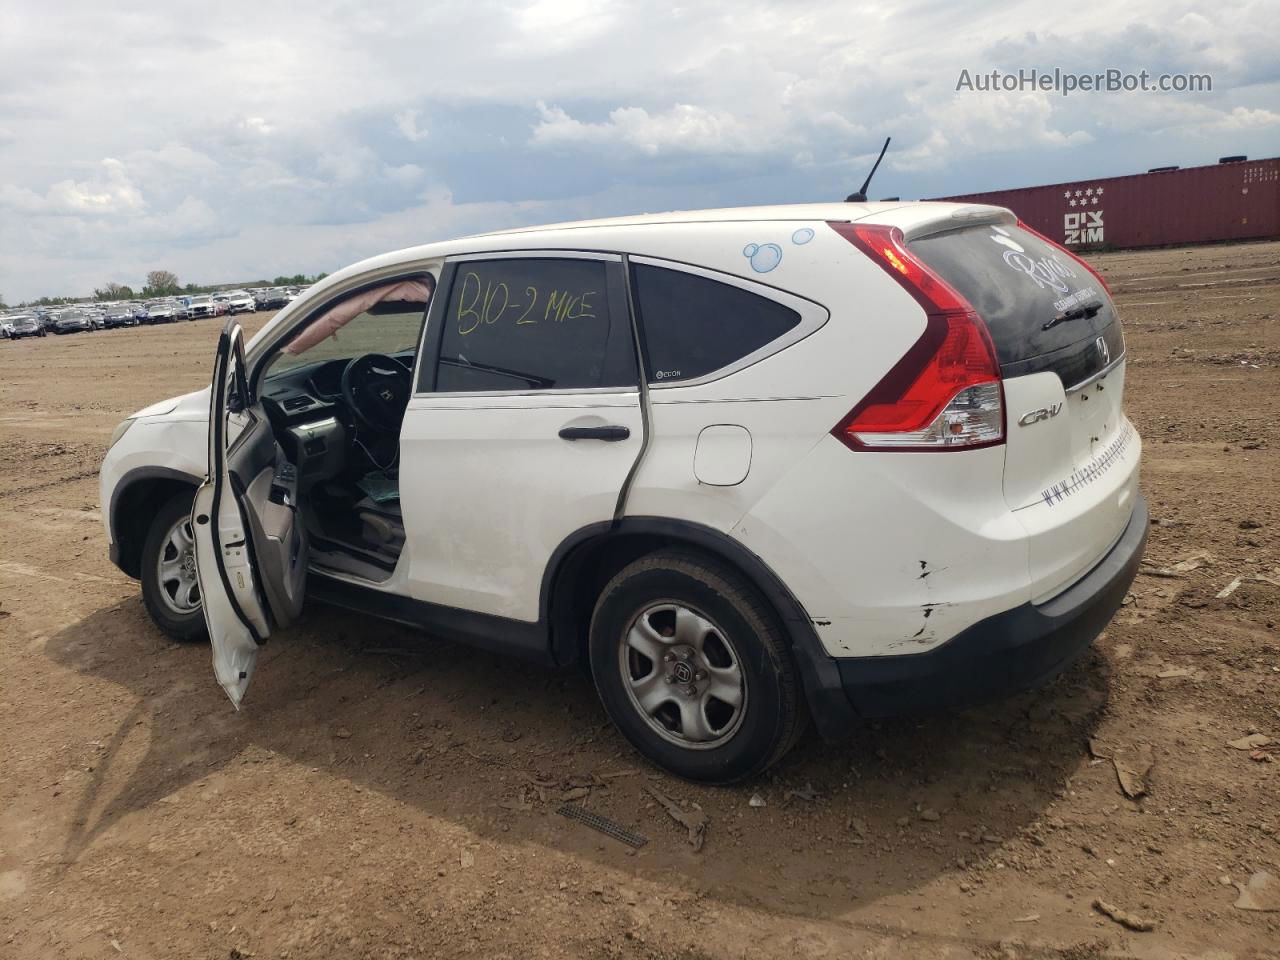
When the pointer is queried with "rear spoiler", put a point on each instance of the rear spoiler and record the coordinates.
(968, 215)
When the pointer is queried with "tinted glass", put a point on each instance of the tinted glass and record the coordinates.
(694, 326)
(1018, 283)
(534, 324)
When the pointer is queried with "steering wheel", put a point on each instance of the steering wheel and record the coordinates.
(376, 389)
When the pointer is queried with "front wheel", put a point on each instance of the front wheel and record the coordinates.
(692, 666)
(170, 589)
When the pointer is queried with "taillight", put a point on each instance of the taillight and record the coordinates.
(945, 393)
(1076, 257)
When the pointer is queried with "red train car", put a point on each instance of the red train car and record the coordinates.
(1238, 200)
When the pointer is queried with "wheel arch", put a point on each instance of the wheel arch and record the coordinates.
(133, 504)
(587, 559)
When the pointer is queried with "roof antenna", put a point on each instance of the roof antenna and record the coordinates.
(861, 195)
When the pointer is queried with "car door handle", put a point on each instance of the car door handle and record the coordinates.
(610, 433)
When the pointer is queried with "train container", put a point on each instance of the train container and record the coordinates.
(1235, 200)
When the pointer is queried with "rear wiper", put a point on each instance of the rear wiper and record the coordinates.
(1086, 311)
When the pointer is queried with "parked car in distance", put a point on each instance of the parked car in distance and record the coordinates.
(200, 307)
(753, 467)
(23, 325)
(238, 301)
(73, 321)
(119, 315)
(272, 299)
(161, 311)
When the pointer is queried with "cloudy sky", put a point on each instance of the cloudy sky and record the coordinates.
(238, 140)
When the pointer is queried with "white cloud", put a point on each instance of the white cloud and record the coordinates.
(407, 123)
(314, 139)
(113, 192)
(1242, 118)
(682, 128)
(259, 125)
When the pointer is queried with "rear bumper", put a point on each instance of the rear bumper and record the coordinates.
(1003, 654)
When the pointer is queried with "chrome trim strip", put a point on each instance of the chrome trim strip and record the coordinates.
(540, 254)
(554, 392)
(1100, 375)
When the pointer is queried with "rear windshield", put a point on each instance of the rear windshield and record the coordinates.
(1019, 284)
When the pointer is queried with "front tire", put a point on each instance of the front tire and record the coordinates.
(692, 666)
(170, 589)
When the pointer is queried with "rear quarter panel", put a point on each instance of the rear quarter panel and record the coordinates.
(787, 401)
(888, 553)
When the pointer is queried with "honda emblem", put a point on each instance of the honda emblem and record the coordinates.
(1104, 352)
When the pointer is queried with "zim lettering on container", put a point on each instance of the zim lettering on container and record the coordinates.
(1084, 227)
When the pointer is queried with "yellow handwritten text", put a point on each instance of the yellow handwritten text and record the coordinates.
(486, 302)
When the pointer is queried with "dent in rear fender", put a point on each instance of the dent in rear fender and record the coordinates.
(892, 553)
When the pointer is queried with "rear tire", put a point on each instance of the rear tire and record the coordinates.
(182, 625)
(712, 640)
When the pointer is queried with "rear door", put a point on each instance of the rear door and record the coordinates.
(1071, 454)
(524, 427)
(250, 543)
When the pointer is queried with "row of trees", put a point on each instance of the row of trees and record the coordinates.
(164, 283)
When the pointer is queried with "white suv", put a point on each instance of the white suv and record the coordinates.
(240, 302)
(751, 466)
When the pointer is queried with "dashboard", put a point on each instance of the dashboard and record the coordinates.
(310, 417)
(312, 391)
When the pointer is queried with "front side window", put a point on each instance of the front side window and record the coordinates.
(693, 325)
(386, 319)
(524, 324)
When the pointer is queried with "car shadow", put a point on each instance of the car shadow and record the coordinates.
(498, 746)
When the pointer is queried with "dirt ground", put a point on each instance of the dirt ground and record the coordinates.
(384, 794)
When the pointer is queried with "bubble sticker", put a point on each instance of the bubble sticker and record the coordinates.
(802, 236)
(763, 257)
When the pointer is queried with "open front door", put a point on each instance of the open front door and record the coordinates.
(251, 547)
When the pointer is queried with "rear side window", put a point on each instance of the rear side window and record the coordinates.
(1019, 284)
(694, 326)
(534, 324)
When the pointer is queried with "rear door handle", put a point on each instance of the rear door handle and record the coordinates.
(610, 433)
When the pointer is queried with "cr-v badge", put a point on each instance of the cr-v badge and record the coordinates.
(1035, 416)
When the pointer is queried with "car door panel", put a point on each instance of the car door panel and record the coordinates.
(496, 490)
(500, 478)
(250, 545)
